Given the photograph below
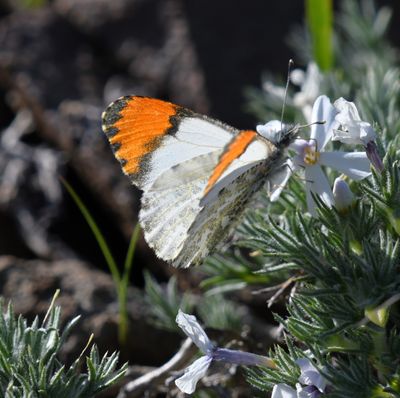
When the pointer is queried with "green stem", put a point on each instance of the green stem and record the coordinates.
(123, 287)
(319, 16)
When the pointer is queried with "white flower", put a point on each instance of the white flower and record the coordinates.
(198, 369)
(314, 383)
(309, 83)
(309, 375)
(310, 156)
(188, 323)
(355, 131)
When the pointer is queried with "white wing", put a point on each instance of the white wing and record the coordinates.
(171, 205)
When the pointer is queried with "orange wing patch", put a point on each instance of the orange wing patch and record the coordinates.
(235, 148)
(135, 126)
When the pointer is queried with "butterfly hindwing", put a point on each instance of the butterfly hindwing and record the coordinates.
(172, 204)
(219, 216)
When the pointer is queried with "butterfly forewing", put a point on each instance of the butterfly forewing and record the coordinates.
(149, 136)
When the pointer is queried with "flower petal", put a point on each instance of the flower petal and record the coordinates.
(317, 183)
(345, 137)
(282, 390)
(367, 133)
(192, 329)
(354, 133)
(323, 110)
(198, 369)
(297, 76)
(310, 82)
(307, 392)
(347, 111)
(298, 145)
(353, 130)
(310, 376)
(274, 90)
(310, 202)
(354, 164)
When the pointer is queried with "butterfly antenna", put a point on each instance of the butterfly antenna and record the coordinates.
(302, 126)
(290, 65)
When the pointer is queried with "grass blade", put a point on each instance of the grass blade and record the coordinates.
(123, 287)
(96, 232)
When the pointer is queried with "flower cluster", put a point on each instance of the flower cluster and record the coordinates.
(337, 122)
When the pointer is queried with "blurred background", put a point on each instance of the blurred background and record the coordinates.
(61, 63)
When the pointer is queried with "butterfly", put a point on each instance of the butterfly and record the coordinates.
(197, 174)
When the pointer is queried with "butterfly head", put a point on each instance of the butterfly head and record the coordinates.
(287, 135)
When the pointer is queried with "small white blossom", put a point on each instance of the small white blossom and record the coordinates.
(311, 385)
(198, 369)
(352, 130)
(188, 323)
(309, 82)
(309, 375)
(275, 91)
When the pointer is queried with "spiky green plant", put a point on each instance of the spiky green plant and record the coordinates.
(29, 364)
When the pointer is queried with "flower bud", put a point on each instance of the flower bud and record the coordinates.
(379, 316)
(373, 156)
(342, 195)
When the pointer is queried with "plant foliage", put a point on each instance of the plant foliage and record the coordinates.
(29, 364)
